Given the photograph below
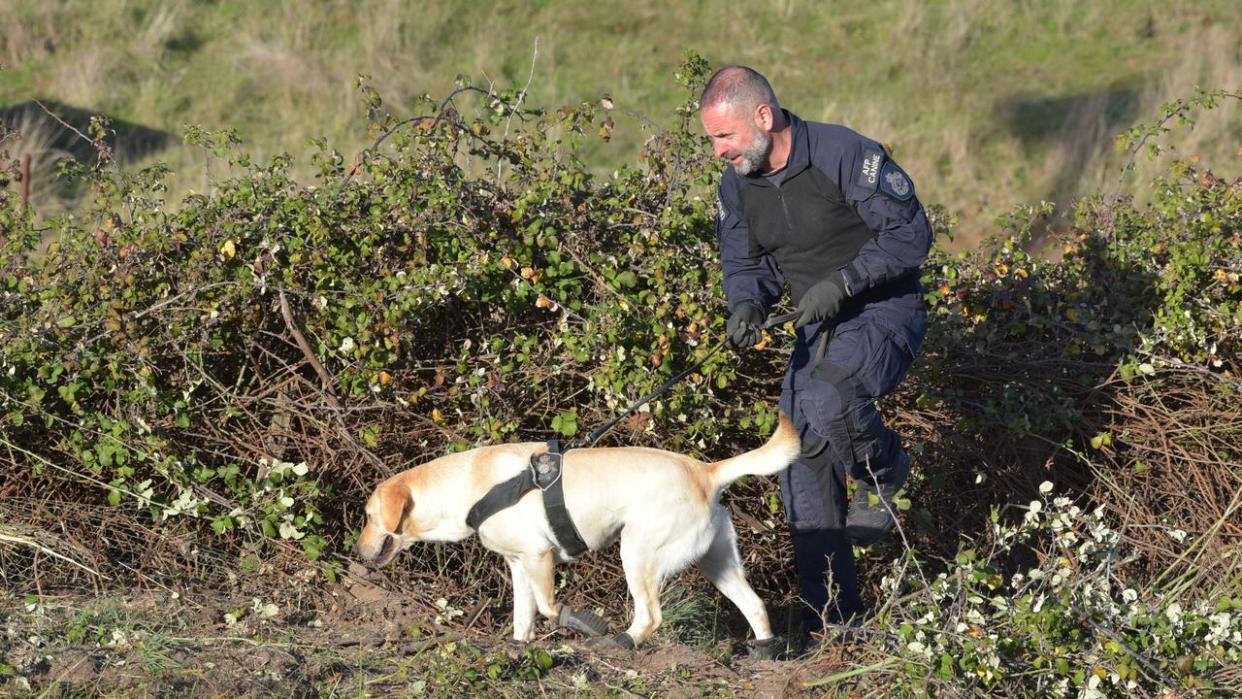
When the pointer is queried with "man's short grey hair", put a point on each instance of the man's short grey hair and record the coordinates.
(739, 87)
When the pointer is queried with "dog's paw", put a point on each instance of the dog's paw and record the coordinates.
(584, 621)
(621, 641)
(773, 648)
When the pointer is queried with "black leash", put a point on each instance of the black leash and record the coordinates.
(771, 323)
(597, 434)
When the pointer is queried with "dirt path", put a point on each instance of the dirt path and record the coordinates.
(240, 644)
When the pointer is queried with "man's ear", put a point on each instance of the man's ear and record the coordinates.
(764, 119)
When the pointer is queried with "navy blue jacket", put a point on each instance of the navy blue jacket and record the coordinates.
(841, 205)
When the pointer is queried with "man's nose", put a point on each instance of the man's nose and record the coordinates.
(720, 148)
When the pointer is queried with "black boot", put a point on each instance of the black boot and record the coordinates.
(872, 511)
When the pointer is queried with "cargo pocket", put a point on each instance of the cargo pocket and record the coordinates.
(829, 407)
(844, 402)
(887, 362)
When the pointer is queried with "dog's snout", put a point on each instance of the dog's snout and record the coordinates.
(370, 541)
(375, 549)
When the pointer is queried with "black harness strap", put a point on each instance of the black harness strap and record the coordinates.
(545, 474)
(501, 496)
(548, 470)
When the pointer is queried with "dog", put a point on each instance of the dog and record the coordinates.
(665, 507)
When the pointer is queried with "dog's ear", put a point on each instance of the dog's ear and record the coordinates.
(397, 503)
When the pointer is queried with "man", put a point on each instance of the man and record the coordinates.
(826, 210)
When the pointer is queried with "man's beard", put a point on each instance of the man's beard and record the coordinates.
(753, 157)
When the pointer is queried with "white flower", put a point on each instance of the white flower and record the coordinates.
(1129, 595)
(1178, 535)
(1036, 506)
(118, 640)
(1220, 627)
(347, 346)
(1174, 612)
(184, 504)
(288, 531)
(1045, 487)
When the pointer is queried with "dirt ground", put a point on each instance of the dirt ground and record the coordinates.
(350, 638)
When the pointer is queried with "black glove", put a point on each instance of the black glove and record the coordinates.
(822, 301)
(745, 327)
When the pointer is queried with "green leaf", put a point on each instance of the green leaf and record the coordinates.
(313, 546)
(945, 671)
(902, 502)
(566, 423)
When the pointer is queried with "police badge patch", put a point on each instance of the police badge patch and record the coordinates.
(895, 183)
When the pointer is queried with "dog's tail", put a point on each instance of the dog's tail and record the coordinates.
(781, 449)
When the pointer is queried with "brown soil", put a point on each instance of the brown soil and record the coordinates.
(347, 639)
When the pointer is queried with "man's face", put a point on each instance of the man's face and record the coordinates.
(737, 136)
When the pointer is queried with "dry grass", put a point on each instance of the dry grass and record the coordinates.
(1211, 58)
(37, 139)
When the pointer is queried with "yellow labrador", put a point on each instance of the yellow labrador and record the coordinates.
(664, 506)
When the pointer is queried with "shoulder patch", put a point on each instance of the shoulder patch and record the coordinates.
(722, 211)
(869, 174)
(895, 183)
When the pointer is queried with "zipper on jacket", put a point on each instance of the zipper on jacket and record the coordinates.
(785, 207)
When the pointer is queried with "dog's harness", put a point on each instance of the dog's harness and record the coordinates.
(545, 474)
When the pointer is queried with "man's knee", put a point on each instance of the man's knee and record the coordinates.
(839, 413)
(839, 402)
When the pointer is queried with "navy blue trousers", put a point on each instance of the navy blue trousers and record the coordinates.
(833, 405)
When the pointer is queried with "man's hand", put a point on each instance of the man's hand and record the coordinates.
(745, 326)
(822, 301)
